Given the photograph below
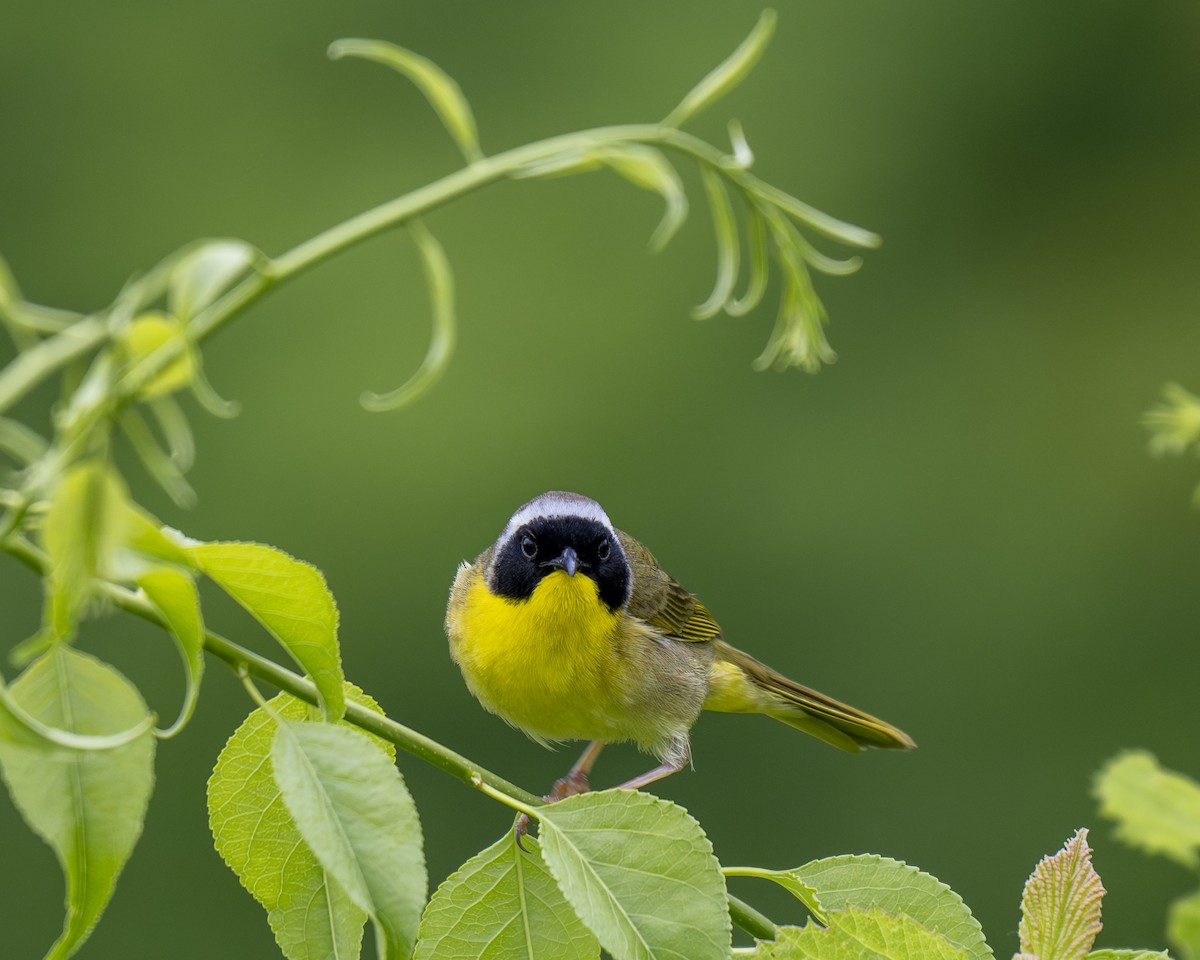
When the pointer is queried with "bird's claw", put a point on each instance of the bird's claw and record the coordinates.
(520, 828)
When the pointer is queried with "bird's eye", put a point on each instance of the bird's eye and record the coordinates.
(602, 550)
(528, 547)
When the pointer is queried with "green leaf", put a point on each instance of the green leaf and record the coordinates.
(143, 339)
(798, 338)
(1183, 926)
(255, 835)
(20, 442)
(354, 812)
(502, 904)
(743, 156)
(86, 524)
(174, 593)
(206, 394)
(819, 261)
(647, 168)
(19, 727)
(1128, 955)
(173, 423)
(1060, 909)
(150, 287)
(289, 598)
(640, 873)
(440, 281)
(855, 934)
(11, 310)
(443, 94)
(815, 219)
(728, 74)
(868, 881)
(202, 275)
(10, 293)
(728, 246)
(146, 535)
(1174, 424)
(162, 467)
(88, 805)
(1157, 810)
(757, 257)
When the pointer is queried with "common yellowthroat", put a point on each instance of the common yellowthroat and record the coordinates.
(569, 629)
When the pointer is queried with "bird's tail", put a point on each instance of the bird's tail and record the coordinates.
(741, 684)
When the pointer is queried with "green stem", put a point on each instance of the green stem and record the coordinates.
(488, 170)
(399, 211)
(33, 365)
(482, 785)
(239, 657)
(750, 920)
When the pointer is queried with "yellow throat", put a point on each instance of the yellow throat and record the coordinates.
(544, 663)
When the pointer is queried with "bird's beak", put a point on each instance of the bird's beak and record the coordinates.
(568, 560)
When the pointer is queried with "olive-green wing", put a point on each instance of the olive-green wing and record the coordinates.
(837, 723)
(664, 603)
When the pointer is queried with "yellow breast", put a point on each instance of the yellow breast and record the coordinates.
(547, 664)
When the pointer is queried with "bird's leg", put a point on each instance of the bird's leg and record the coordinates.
(662, 770)
(576, 781)
(675, 761)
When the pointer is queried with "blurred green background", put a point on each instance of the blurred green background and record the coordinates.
(957, 526)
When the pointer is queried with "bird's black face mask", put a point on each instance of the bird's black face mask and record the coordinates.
(575, 545)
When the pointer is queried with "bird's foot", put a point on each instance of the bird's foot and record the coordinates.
(572, 784)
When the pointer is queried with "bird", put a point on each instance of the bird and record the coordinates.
(569, 629)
